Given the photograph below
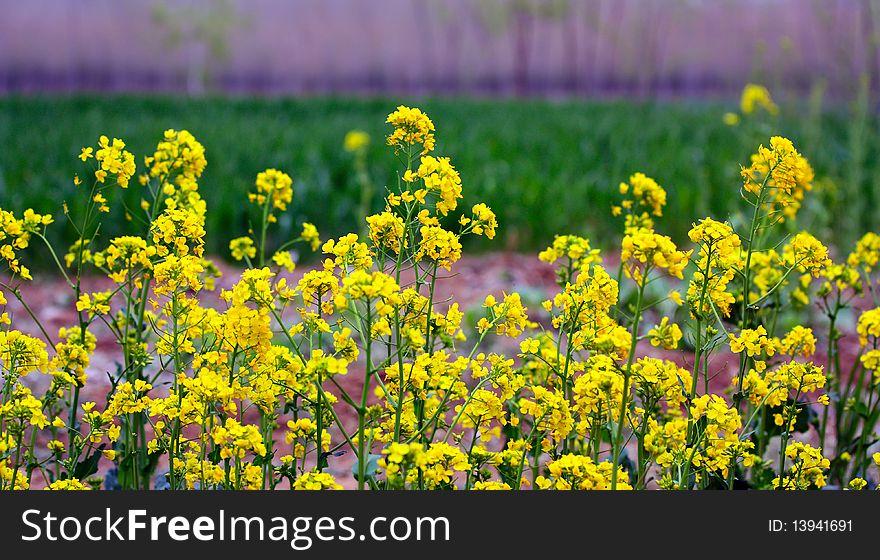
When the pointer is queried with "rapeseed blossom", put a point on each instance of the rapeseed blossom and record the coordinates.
(266, 383)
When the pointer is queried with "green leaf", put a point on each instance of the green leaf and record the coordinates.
(370, 469)
(806, 417)
(266, 459)
(88, 466)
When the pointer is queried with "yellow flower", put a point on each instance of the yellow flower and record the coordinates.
(807, 254)
(869, 326)
(101, 202)
(757, 96)
(509, 316)
(176, 274)
(125, 256)
(778, 177)
(242, 247)
(386, 231)
(857, 484)
(718, 242)
(21, 354)
(799, 341)
(665, 335)
(576, 472)
(490, 485)
(349, 253)
(483, 222)
(238, 440)
(68, 484)
(376, 287)
(439, 177)
(575, 249)
(651, 250)
(871, 360)
(439, 245)
(316, 481)
(356, 140)
(411, 127)
(730, 119)
(178, 162)
(753, 341)
(179, 232)
(114, 160)
(807, 469)
(273, 185)
(95, 304)
(550, 412)
(645, 192)
(867, 252)
(310, 235)
(284, 259)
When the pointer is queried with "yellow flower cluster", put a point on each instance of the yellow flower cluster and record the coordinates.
(643, 198)
(779, 177)
(575, 472)
(869, 327)
(439, 177)
(349, 253)
(575, 249)
(773, 387)
(721, 433)
(666, 335)
(807, 469)
(753, 341)
(15, 236)
(719, 259)
(242, 247)
(644, 249)
(807, 254)
(439, 245)
(275, 187)
(316, 481)
(411, 127)
(754, 97)
(113, 159)
(355, 140)
(867, 252)
(432, 398)
(178, 157)
(386, 231)
(483, 222)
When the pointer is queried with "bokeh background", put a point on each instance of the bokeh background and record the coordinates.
(543, 105)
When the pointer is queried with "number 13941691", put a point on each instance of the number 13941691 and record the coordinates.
(810, 525)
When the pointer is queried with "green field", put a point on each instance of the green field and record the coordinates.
(545, 167)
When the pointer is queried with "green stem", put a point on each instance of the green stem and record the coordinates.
(365, 393)
(624, 402)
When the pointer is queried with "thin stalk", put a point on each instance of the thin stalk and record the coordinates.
(624, 404)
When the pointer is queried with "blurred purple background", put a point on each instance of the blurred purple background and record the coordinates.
(544, 47)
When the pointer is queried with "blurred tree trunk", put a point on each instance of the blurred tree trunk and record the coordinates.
(523, 25)
(431, 75)
(615, 19)
(870, 14)
(571, 71)
(595, 58)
